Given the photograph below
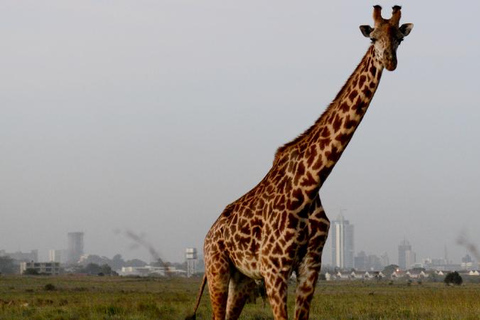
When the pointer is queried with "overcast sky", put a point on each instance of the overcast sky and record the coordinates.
(152, 116)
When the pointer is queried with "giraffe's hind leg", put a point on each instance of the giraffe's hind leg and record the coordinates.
(240, 288)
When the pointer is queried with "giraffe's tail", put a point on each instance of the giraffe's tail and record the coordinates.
(199, 297)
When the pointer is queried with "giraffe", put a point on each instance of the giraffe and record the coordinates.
(280, 227)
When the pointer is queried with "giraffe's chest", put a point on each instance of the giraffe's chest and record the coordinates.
(243, 238)
(254, 244)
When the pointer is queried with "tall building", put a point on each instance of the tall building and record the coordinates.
(75, 246)
(54, 255)
(406, 257)
(371, 262)
(341, 233)
(192, 259)
(385, 260)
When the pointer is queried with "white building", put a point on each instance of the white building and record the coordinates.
(150, 271)
(341, 233)
(192, 260)
(54, 255)
(51, 268)
(416, 275)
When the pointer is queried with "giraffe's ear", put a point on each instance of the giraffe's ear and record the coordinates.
(406, 28)
(366, 30)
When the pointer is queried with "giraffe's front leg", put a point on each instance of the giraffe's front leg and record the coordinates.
(276, 284)
(306, 280)
(309, 268)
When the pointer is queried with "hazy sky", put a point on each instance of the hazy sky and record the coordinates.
(152, 116)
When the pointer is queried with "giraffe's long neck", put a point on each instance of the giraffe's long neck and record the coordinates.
(318, 149)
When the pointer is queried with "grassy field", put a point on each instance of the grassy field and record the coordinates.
(71, 297)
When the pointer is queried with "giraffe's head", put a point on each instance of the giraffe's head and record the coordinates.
(386, 35)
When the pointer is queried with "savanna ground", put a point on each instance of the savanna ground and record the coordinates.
(77, 297)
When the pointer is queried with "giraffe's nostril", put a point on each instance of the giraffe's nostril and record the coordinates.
(390, 67)
(391, 64)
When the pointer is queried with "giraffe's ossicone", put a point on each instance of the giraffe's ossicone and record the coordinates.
(279, 227)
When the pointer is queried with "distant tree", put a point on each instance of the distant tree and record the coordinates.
(135, 263)
(106, 270)
(389, 270)
(7, 266)
(96, 259)
(92, 269)
(117, 262)
(31, 272)
(453, 278)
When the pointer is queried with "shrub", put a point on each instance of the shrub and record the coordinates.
(453, 278)
(49, 287)
(31, 272)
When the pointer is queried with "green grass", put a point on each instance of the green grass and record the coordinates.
(69, 297)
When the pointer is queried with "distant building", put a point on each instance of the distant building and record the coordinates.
(75, 247)
(468, 263)
(50, 268)
(384, 259)
(55, 255)
(440, 265)
(342, 232)
(416, 274)
(149, 271)
(406, 257)
(353, 275)
(366, 262)
(191, 259)
(21, 256)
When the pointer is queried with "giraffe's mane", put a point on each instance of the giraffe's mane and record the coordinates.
(332, 105)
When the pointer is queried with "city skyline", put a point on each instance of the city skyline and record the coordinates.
(132, 250)
(341, 236)
(154, 116)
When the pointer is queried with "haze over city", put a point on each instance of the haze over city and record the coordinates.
(151, 116)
